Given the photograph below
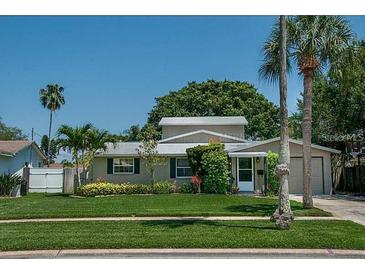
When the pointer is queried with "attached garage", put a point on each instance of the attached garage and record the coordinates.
(296, 176)
(321, 165)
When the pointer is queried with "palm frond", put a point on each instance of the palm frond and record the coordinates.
(270, 67)
(52, 97)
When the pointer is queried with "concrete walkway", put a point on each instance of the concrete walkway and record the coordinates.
(185, 253)
(341, 206)
(202, 218)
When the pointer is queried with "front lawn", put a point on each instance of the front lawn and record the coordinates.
(181, 234)
(54, 206)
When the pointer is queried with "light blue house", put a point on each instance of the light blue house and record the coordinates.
(15, 154)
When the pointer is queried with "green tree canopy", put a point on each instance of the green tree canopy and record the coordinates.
(11, 133)
(221, 98)
(53, 148)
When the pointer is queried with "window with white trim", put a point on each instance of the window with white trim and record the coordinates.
(183, 169)
(123, 165)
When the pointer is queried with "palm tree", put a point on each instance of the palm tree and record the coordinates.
(96, 139)
(313, 42)
(52, 98)
(74, 141)
(283, 216)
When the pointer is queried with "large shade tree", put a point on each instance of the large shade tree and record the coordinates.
(220, 98)
(314, 42)
(52, 98)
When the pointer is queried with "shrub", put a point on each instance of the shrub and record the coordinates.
(195, 157)
(105, 188)
(186, 188)
(273, 180)
(215, 164)
(8, 182)
(164, 187)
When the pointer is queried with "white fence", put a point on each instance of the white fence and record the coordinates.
(46, 180)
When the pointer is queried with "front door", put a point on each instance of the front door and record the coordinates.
(245, 174)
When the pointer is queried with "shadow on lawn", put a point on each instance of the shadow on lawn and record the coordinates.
(178, 224)
(259, 209)
(56, 195)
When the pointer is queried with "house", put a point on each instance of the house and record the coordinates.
(121, 163)
(15, 154)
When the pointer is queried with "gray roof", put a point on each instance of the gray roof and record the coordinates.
(298, 142)
(199, 121)
(131, 148)
(179, 149)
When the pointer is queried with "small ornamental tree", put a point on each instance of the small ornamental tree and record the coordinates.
(215, 166)
(148, 152)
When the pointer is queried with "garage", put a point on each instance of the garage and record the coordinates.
(321, 165)
(296, 176)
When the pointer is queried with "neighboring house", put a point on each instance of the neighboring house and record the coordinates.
(121, 163)
(14, 155)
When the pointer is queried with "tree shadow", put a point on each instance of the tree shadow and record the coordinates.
(56, 195)
(258, 209)
(181, 223)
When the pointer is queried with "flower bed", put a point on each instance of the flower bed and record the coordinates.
(106, 188)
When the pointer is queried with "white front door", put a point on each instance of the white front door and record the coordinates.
(245, 174)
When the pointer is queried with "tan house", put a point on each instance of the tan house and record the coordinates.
(121, 163)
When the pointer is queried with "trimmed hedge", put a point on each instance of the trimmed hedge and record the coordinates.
(105, 188)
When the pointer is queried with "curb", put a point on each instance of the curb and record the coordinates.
(64, 253)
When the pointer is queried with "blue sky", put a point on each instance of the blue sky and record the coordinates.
(112, 68)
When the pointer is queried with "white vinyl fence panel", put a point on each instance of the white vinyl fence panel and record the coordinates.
(46, 180)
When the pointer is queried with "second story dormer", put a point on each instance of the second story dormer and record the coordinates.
(229, 129)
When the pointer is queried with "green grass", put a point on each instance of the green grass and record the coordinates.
(180, 234)
(53, 206)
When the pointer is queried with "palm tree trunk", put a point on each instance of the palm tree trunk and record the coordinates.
(83, 165)
(77, 170)
(49, 138)
(283, 215)
(307, 139)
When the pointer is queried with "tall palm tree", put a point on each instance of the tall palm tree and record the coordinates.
(313, 42)
(74, 141)
(51, 98)
(283, 216)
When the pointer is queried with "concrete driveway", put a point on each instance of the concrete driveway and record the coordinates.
(341, 206)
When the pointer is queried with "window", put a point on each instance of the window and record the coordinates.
(123, 165)
(183, 169)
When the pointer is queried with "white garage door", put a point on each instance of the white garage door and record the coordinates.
(296, 176)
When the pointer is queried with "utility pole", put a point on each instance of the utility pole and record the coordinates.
(31, 148)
